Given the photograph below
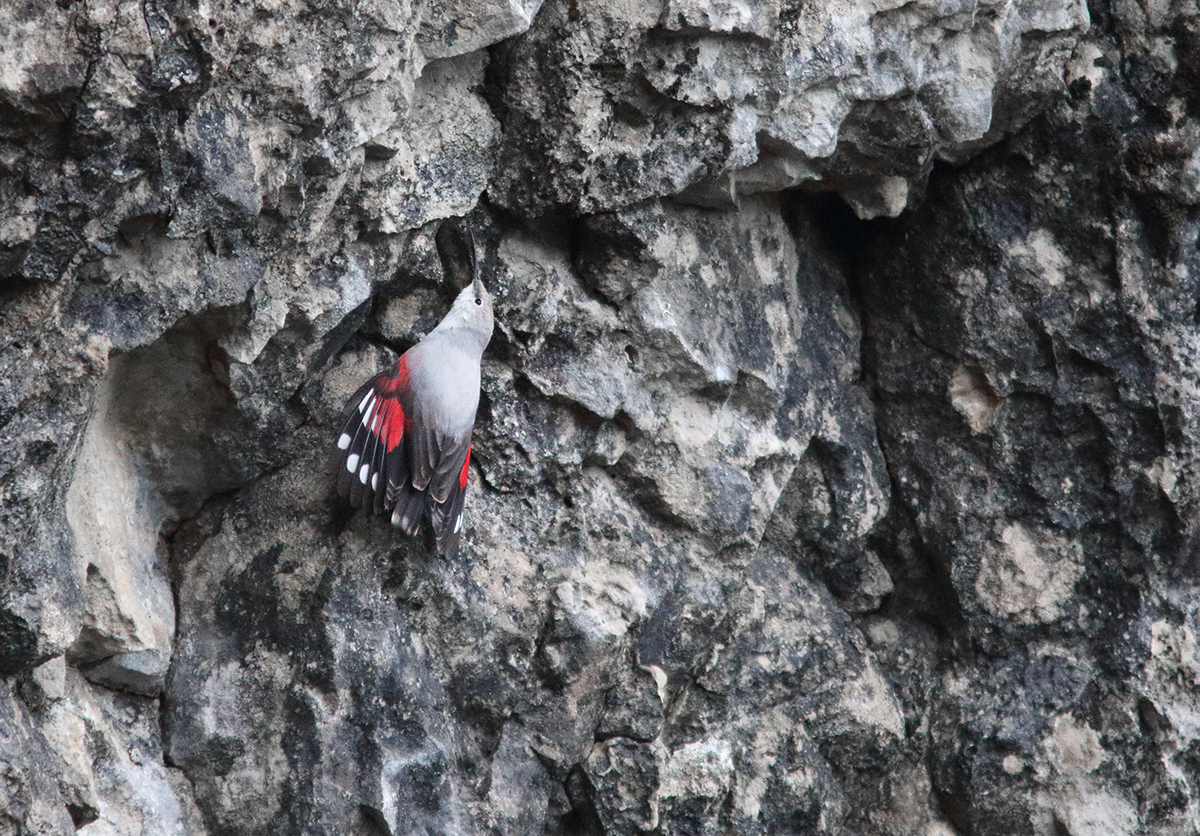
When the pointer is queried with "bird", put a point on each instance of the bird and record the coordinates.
(405, 440)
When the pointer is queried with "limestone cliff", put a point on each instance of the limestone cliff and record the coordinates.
(836, 463)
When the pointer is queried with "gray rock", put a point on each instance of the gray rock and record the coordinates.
(129, 615)
(140, 672)
(624, 777)
(457, 28)
(114, 780)
(780, 521)
(31, 800)
(767, 96)
(435, 162)
(519, 790)
(342, 694)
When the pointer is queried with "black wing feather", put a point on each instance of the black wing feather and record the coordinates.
(447, 493)
(366, 441)
(447, 520)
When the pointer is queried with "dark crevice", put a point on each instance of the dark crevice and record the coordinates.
(929, 598)
(583, 819)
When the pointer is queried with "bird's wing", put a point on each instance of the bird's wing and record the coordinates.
(447, 494)
(372, 454)
(408, 479)
(426, 449)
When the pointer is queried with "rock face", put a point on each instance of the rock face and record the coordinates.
(835, 470)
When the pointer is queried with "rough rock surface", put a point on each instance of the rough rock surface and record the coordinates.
(835, 470)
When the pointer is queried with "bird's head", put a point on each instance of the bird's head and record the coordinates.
(472, 309)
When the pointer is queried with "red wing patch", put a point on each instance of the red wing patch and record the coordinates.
(462, 477)
(392, 424)
(370, 447)
(396, 384)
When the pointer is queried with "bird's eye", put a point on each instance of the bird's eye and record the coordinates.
(478, 301)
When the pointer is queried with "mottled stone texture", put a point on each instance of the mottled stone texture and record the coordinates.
(835, 470)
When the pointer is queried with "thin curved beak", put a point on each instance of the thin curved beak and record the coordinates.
(478, 281)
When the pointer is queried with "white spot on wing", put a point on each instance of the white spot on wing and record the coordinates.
(374, 481)
(343, 441)
(363, 472)
(458, 524)
(366, 419)
(367, 398)
(352, 462)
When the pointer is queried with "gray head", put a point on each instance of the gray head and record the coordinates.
(472, 309)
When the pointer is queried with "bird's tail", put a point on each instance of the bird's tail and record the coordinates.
(409, 509)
